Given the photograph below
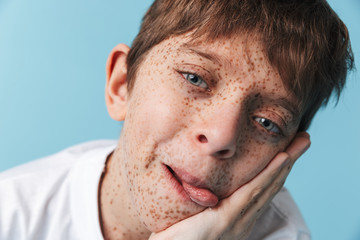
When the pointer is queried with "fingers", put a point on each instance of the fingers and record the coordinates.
(299, 145)
(272, 178)
(263, 200)
(237, 204)
(248, 202)
(296, 148)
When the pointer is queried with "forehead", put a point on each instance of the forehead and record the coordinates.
(226, 49)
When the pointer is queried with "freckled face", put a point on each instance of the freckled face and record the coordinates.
(210, 114)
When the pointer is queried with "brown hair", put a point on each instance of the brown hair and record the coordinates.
(304, 40)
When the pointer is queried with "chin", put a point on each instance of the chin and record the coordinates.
(159, 225)
(157, 220)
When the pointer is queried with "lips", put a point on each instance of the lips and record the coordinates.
(194, 188)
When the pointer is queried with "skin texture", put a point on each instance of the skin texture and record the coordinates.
(208, 129)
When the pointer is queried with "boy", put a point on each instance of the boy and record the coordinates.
(215, 97)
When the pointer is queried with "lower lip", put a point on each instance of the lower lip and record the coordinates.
(175, 184)
(202, 197)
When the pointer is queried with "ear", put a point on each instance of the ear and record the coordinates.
(116, 85)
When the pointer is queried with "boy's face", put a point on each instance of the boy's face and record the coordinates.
(203, 118)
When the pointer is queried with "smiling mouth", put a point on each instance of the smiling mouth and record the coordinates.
(201, 196)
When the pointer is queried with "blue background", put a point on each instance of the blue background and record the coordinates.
(52, 75)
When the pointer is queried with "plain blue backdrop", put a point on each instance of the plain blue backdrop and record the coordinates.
(52, 75)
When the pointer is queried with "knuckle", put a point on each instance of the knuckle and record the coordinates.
(277, 187)
(255, 193)
(274, 189)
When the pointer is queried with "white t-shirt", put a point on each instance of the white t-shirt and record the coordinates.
(57, 198)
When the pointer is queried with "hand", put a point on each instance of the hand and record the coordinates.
(235, 216)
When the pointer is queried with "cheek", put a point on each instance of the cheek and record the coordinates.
(154, 110)
(249, 161)
(153, 119)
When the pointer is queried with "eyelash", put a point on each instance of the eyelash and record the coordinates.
(274, 129)
(203, 84)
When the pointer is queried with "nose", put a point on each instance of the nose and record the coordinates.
(218, 138)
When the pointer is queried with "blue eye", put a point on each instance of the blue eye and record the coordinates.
(195, 80)
(268, 125)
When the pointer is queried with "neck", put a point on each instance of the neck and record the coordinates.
(118, 217)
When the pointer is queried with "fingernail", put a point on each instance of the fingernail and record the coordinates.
(303, 134)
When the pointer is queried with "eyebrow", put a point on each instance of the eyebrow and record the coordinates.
(286, 104)
(211, 56)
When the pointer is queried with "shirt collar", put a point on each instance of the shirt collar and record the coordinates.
(84, 184)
